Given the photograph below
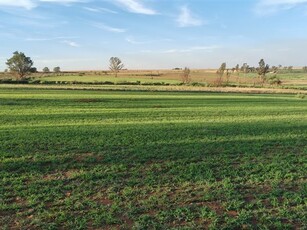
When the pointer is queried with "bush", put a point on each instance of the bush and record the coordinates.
(274, 80)
(128, 83)
(301, 95)
(11, 81)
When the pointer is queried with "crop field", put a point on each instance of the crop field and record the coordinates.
(296, 79)
(86, 159)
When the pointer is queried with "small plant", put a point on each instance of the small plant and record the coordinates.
(301, 95)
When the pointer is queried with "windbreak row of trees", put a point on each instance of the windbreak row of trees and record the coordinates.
(262, 70)
(55, 69)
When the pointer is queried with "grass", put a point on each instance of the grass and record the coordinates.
(80, 159)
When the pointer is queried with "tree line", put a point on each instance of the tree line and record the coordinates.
(21, 65)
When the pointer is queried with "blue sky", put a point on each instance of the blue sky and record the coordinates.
(154, 34)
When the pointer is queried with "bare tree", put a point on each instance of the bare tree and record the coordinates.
(186, 75)
(228, 75)
(115, 65)
(290, 68)
(245, 68)
(220, 73)
(237, 68)
(262, 70)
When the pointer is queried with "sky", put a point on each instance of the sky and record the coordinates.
(154, 34)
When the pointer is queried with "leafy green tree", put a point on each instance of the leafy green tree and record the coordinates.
(57, 69)
(115, 65)
(46, 70)
(305, 68)
(20, 64)
(262, 70)
(33, 70)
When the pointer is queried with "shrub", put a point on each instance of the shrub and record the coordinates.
(301, 95)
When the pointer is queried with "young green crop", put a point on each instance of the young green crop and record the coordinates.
(151, 160)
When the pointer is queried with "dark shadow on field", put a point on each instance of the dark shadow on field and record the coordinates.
(64, 148)
(56, 170)
(201, 99)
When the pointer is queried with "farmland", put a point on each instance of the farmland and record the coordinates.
(207, 77)
(297, 79)
(86, 159)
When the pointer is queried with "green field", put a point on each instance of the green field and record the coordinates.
(85, 159)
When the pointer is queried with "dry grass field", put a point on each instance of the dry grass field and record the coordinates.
(296, 79)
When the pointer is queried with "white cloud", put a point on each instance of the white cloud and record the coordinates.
(63, 1)
(193, 48)
(30, 4)
(135, 42)
(108, 28)
(71, 43)
(27, 4)
(100, 10)
(135, 6)
(50, 38)
(186, 50)
(267, 7)
(282, 2)
(186, 19)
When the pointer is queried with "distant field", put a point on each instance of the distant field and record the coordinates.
(84, 159)
(103, 78)
(296, 79)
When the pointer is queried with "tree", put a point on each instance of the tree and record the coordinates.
(228, 75)
(237, 68)
(186, 75)
(46, 70)
(220, 73)
(274, 70)
(305, 68)
(20, 64)
(222, 68)
(290, 68)
(57, 69)
(115, 65)
(262, 70)
(33, 70)
(245, 68)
